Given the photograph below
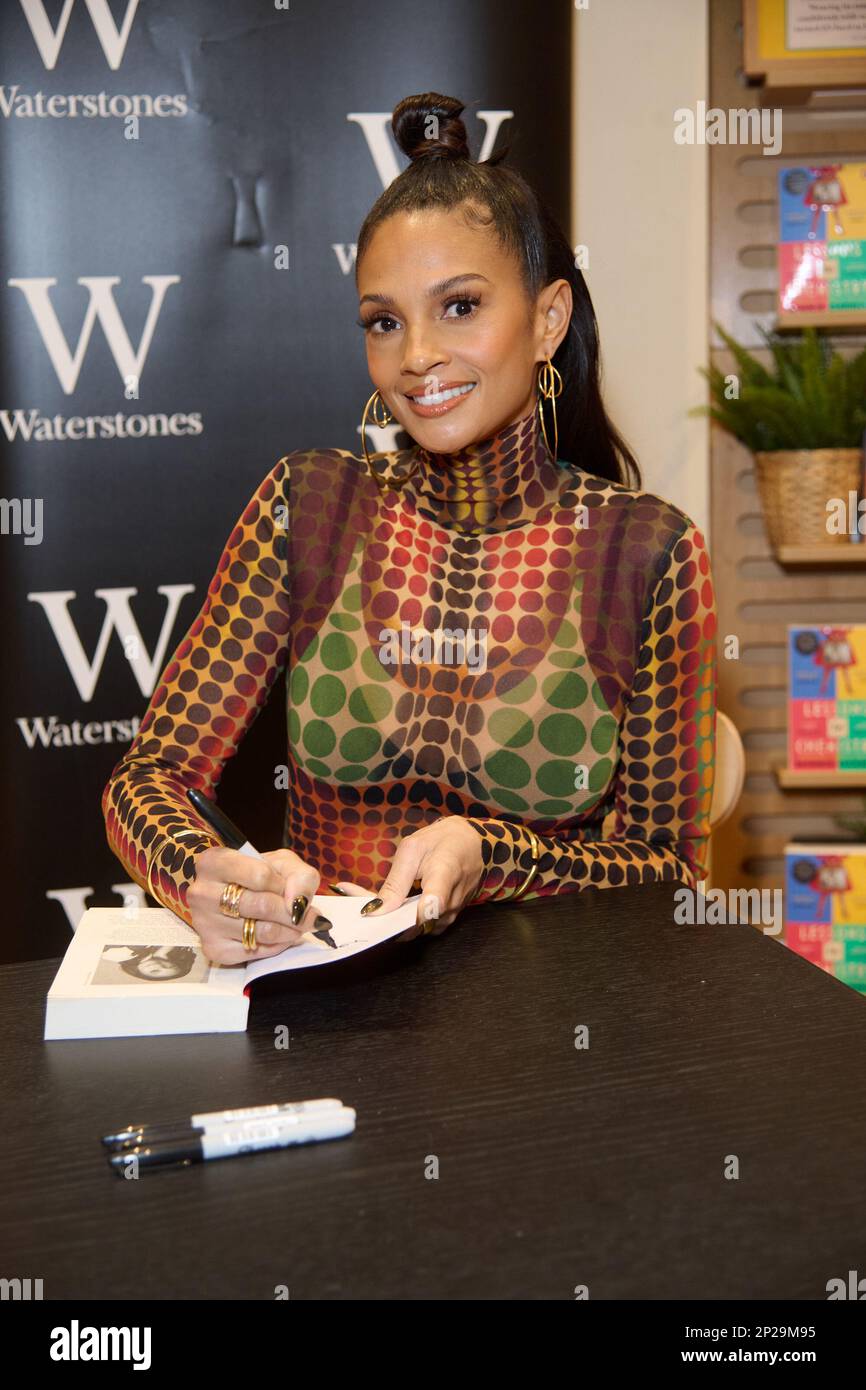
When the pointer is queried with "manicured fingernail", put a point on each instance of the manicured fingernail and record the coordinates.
(322, 924)
(335, 888)
(371, 906)
(299, 907)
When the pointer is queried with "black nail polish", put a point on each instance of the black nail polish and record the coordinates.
(299, 907)
(371, 906)
(335, 888)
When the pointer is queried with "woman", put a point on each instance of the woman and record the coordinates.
(579, 684)
(158, 964)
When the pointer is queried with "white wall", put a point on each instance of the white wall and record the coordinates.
(641, 207)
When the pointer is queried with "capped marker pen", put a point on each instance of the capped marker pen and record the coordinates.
(219, 821)
(235, 838)
(233, 1140)
(213, 1119)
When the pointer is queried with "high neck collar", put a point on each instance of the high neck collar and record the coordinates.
(493, 485)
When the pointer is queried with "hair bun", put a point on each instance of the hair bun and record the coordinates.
(429, 126)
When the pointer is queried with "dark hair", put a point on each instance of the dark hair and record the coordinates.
(182, 958)
(442, 174)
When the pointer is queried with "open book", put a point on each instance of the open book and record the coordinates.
(138, 971)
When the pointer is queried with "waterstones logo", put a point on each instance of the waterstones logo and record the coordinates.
(51, 733)
(375, 126)
(118, 618)
(31, 425)
(14, 102)
(48, 731)
(112, 39)
(73, 901)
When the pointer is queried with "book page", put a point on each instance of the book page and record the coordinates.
(351, 932)
(140, 951)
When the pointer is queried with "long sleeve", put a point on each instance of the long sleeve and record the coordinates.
(210, 693)
(664, 778)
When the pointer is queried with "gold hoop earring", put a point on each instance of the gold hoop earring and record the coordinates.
(549, 387)
(378, 406)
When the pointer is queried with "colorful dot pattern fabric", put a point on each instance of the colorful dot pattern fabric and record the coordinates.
(482, 634)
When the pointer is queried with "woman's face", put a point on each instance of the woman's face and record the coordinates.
(443, 306)
(159, 966)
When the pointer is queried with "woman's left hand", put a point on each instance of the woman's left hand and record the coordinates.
(445, 858)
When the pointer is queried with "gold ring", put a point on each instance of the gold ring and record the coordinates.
(249, 936)
(229, 900)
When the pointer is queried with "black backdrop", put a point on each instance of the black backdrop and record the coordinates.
(156, 360)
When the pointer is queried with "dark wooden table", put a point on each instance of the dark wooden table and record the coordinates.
(557, 1166)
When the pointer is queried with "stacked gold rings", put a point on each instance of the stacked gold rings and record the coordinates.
(229, 900)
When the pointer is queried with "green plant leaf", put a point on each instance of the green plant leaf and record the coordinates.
(813, 399)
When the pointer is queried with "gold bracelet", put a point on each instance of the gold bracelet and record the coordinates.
(536, 855)
(149, 886)
(166, 840)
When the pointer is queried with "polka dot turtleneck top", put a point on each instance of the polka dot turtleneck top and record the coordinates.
(483, 634)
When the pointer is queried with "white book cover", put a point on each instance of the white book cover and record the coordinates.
(133, 972)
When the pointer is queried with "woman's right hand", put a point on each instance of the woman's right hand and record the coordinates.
(278, 889)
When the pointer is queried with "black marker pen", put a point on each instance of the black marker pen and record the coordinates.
(229, 1141)
(219, 821)
(131, 1135)
(236, 839)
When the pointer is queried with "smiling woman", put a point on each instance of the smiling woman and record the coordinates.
(579, 751)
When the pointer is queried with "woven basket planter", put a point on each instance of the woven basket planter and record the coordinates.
(795, 487)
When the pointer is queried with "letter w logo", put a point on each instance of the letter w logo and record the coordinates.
(50, 41)
(119, 619)
(101, 306)
(375, 125)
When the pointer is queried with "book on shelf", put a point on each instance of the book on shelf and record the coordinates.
(825, 908)
(827, 697)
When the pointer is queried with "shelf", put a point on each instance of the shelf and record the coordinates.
(817, 781)
(844, 554)
(846, 319)
(770, 53)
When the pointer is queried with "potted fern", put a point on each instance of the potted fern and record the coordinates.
(804, 422)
